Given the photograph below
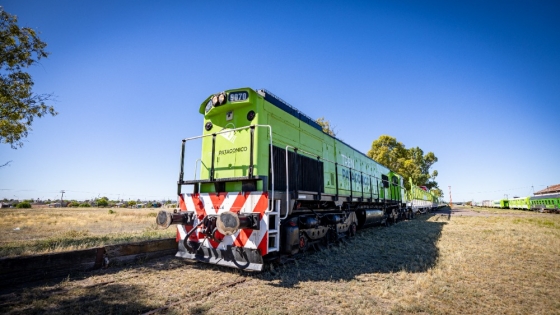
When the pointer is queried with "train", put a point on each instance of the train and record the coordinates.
(270, 184)
(540, 203)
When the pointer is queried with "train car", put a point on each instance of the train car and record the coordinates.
(272, 184)
(487, 203)
(500, 204)
(504, 204)
(545, 203)
(520, 203)
(420, 199)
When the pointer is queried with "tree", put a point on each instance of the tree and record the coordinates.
(103, 202)
(20, 48)
(326, 125)
(389, 152)
(437, 192)
(410, 163)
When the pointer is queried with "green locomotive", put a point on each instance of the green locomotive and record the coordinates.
(272, 184)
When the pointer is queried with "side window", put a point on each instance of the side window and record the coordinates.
(385, 181)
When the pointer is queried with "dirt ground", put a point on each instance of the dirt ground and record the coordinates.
(459, 261)
(474, 211)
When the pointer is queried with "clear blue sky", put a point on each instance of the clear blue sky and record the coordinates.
(475, 82)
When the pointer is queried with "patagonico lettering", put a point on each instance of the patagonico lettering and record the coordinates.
(233, 150)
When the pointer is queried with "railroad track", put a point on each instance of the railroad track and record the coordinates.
(22, 269)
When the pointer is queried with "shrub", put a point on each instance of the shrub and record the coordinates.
(23, 204)
(111, 211)
(85, 205)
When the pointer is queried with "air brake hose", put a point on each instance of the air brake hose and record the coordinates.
(185, 242)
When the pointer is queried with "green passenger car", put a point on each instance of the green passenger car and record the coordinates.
(520, 203)
(546, 203)
(420, 200)
(504, 203)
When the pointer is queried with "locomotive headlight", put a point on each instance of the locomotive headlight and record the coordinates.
(222, 98)
(250, 115)
(215, 100)
(208, 106)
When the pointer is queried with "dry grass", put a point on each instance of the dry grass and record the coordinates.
(499, 211)
(32, 231)
(485, 264)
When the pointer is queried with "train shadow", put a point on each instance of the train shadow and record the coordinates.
(106, 299)
(409, 246)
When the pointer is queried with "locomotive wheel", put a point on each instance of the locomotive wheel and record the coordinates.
(330, 238)
(388, 221)
(303, 242)
(352, 230)
(394, 216)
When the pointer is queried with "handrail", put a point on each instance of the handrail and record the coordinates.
(233, 130)
(348, 167)
(287, 184)
(196, 167)
(336, 163)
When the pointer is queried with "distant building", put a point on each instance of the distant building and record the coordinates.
(554, 189)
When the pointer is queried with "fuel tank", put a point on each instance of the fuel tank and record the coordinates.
(369, 217)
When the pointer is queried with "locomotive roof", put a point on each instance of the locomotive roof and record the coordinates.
(283, 105)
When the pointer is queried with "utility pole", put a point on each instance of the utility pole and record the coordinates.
(61, 198)
(450, 199)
